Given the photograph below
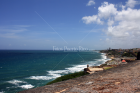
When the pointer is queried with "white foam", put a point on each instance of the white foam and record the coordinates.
(16, 82)
(19, 83)
(27, 86)
(39, 77)
(57, 72)
(75, 68)
(2, 92)
(51, 75)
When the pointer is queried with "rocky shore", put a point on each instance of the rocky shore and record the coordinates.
(124, 78)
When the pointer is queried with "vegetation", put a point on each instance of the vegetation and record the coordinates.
(127, 55)
(102, 65)
(68, 76)
(108, 68)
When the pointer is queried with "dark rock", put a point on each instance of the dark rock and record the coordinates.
(138, 56)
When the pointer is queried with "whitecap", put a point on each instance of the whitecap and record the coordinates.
(16, 82)
(76, 68)
(39, 77)
(57, 72)
(54, 75)
(27, 86)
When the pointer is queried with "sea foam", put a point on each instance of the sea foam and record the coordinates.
(75, 68)
(21, 84)
(27, 86)
(16, 82)
(39, 77)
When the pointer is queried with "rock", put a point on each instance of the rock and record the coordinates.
(91, 72)
(138, 56)
(117, 83)
(95, 69)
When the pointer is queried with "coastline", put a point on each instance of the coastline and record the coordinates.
(37, 80)
(122, 79)
(104, 57)
(76, 82)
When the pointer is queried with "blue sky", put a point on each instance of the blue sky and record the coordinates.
(92, 24)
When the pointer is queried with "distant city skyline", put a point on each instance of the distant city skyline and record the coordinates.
(91, 24)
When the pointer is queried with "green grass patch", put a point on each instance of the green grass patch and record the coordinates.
(107, 68)
(67, 76)
(102, 65)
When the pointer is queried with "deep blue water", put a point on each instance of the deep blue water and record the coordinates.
(25, 69)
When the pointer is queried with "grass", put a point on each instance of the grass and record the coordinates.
(102, 65)
(66, 77)
(108, 68)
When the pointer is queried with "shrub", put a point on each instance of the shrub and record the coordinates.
(127, 54)
(107, 68)
(67, 76)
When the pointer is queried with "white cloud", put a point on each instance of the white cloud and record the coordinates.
(92, 19)
(106, 10)
(89, 19)
(128, 15)
(107, 39)
(110, 22)
(91, 2)
(12, 31)
(8, 35)
(131, 3)
(123, 25)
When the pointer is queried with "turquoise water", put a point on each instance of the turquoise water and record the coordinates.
(25, 69)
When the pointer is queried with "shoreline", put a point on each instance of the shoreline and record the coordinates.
(118, 79)
(104, 54)
(61, 82)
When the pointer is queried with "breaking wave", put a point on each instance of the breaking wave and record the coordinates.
(21, 84)
(75, 68)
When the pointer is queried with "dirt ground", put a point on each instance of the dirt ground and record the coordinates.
(121, 79)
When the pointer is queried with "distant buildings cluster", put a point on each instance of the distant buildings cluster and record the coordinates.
(125, 50)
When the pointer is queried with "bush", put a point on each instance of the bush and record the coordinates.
(127, 55)
(68, 76)
(108, 68)
(102, 65)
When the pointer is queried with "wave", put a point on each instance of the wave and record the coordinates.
(40, 77)
(27, 86)
(75, 68)
(21, 84)
(16, 82)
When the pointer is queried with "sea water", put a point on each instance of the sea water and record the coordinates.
(25, 69)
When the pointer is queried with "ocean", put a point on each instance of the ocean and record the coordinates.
(25, 69)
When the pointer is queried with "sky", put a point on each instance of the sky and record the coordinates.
(92, 24)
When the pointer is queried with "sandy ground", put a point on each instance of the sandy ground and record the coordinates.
(121, 79)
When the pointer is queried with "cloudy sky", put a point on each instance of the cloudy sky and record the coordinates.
(92, 24)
